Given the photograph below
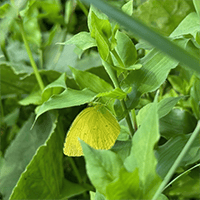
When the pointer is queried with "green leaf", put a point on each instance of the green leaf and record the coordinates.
(190, 25)
(154, 71)
(90, 81)
(102, 166)
(43, 176)
(11, 118)
(66, 99)
(54, 88)
(4, 9)
(115, 94)
(164, 107)
(5, 24)
(11, 83)
(142, 154)
(197, 6)
(70, 189)
(22, 150)
(168, 153)
(98, 13)
(101, 31)
(35, 97)
(103, 46)
(126, 187)
(125, 49)
(82, 40)
(195, 98)
(163, 16)
(122, 148)
(128, 7)
(146, 33)
(176, 122)
(187, 187)
(30, 23)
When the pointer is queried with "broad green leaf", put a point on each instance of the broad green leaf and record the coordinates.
(128, 7)
(154, 71)
(149, 35)
(103, 46)
(66, 99)
(127, 186)
(195, 98)
(4, 9)
(70, 189)
(6, 22)
(55, 57)
(82, 40)
(54, 88)
(101, 32)
(133, 97)
(90, 81)
(103, 26)
(35, 97)
(102, 166)
(164, 107)
(51, 11)
(115, 94)
(22, 150)
(125, 49)
(122, 148)
(176, 122)
(190, 25)
(187, 187)
(97, 196)
(99, 14)
(30, 23)
(43, 176)
(142, 154)
(197, 6)
(163, 16)
(168, 153)
(11, 118)
(179, 84)
(11, 83)
(89, 62)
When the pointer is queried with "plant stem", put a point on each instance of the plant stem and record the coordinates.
(177, 162)
(3, 48)
(83, 8)
(185, 172)
(134, 119)
(118, 58)
(113, 77)
(33, 64)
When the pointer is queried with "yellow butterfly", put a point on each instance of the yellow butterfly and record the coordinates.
(94, 125)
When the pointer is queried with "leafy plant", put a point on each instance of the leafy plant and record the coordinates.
(141, 64)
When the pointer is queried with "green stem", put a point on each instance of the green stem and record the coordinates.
(113, 77)
(3, 48)
(134, 119)
(118, 58)
(83, 8)
(185, 172)
(33, 64)
(177, 162)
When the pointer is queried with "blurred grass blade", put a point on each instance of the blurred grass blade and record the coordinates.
(147, 34)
